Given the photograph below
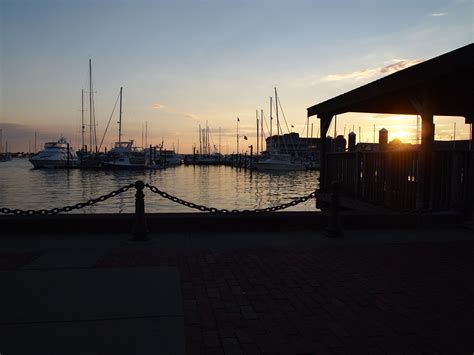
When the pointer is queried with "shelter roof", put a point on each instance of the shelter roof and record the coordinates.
(447, 80)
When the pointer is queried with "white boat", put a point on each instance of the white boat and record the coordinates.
(281, 162)
(124, 156)
(167, 158)
(55, 155)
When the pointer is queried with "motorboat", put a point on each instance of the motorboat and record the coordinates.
(124, 156)
(166, 158)
(280, 162)
(55, 155)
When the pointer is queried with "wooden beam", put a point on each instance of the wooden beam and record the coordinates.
(325, 122)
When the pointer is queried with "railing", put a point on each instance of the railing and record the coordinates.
(140, 227)
(391, 179)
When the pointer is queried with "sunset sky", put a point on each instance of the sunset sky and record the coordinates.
(182, 63)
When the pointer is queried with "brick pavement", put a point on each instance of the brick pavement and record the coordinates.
(396, 299)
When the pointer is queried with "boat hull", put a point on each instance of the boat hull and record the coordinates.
(52, 164)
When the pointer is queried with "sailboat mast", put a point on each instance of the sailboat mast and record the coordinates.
(271, 118)
(258, 137)
(90, 105)
(82, 121)
(200, 141)
(261, 128)
(220, 140)
(238, 135)
(276, 105)
(120, 118)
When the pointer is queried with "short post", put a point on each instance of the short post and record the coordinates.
(140, 228)
(333, 230)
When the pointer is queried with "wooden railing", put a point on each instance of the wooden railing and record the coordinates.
(391, 179)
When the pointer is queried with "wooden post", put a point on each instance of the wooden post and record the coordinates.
(423, 106)
(140, 229)
(325, 121)
(333, 229)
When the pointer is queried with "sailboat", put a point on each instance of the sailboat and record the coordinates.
(88, 158)
(124, 155)
(4, 155)
(275, 160)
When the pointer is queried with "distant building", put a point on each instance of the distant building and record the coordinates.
(295, 145)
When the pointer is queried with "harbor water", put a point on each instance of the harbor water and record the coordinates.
(213, 186)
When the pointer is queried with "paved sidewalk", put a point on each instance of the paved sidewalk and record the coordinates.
(398, 291)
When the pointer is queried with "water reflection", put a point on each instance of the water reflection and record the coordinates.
(213, 186)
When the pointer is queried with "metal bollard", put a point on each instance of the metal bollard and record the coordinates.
(140, 229)
(334, 229)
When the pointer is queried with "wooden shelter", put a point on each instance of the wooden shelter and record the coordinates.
(440, 86)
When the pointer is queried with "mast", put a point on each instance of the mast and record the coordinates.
(82, 121)
(90, 105)
(271, 118)
(200, 141)
(261, 128)
(238, 120)
(220, 140)
(276, 106)
(146, 133)
(258, 137)
(1, 140)
(35, 143)
(120, 118)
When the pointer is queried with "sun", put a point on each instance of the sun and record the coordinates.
(400, 134)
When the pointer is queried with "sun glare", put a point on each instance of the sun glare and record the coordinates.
(400, 134)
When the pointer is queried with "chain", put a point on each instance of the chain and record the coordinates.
(67, 208)
(163, 194)
(225, 211)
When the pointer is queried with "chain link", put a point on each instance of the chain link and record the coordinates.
(77, 206)
(202, 208)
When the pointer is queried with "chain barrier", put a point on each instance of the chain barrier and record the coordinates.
(163, 194)
(77, 206)
(202, 208)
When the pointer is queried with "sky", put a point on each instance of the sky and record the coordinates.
(184, 63)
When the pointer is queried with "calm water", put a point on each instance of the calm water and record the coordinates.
(213, 186)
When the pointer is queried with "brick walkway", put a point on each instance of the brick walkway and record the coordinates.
(401, 298)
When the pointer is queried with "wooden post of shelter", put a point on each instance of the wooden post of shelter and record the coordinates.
(325, 122)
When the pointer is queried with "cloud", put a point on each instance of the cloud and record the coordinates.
(192, 116)
(438, 14)
(157, 106)
(398, 64)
